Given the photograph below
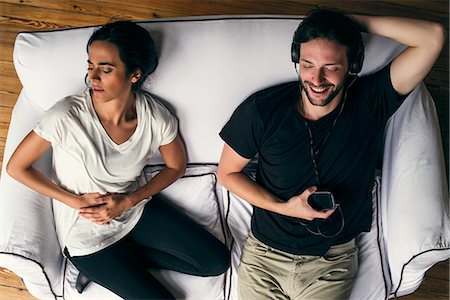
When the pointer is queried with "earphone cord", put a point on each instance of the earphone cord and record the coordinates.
(311, 141)
(316, 171)
(319, 232)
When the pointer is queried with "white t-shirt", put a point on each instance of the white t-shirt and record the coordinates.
(86, 160)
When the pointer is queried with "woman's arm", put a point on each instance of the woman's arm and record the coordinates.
(20, 167)
(424, 41)
(231, 177)
(174, 156)
(112, 205)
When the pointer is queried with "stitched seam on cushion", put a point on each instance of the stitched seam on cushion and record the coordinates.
(379, 237)
(218, 208)
(42, 269)
(183, 20)
(216, 197)
(231, 270)
(232, 244)
(64, 278)
(412, 258)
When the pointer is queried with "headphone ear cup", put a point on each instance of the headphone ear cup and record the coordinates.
(357, 64)
(295, 52)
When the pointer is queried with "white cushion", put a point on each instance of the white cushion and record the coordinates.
(238, 219)
(206, 68)
(372, 280)
(28, 243)
(198, 194)
(415, 198)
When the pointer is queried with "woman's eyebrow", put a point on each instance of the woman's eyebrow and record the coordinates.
(102, 63)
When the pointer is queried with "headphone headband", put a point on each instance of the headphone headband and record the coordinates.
(356, 50)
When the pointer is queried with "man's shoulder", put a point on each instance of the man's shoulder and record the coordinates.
(276, 91)
(268, 99)
(379, 76)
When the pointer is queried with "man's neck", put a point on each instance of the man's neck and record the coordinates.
(314, 112)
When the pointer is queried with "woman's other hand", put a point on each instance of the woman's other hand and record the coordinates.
(102, 208)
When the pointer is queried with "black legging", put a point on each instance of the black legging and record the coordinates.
(163, 238)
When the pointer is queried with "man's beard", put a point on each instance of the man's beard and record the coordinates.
(329, 98)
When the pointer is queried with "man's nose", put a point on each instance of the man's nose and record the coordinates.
(317, 77)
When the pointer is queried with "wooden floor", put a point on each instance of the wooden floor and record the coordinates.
(34, 15)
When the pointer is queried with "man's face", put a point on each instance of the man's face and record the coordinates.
(323, 69)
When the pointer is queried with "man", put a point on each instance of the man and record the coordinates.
(321, 133)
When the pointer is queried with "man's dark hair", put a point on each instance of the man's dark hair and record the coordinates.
(335, 26)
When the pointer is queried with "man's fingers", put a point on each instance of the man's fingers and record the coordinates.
(311, 190)
(324, 214)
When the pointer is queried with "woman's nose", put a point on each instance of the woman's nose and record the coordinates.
(93, 75)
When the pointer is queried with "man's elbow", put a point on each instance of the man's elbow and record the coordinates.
(438, 36)
(221, 176)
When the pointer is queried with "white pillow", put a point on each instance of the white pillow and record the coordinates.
(239, 213)
(28, 243)
(372, 280)
(415, 194)
(198, 195)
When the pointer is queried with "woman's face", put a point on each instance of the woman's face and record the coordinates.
(107, 73)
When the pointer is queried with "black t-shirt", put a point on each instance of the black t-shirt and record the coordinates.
(268, 125)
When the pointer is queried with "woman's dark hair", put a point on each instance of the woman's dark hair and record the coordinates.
(335, 26)
(136, 47)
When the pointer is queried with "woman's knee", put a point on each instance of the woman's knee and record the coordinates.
(218, 261)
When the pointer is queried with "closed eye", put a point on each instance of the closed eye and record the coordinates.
(332, 68)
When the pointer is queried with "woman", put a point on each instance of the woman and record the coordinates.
(101, 140)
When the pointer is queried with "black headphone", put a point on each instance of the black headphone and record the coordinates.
(355, 62)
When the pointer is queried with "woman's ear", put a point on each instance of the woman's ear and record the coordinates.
(136, 76)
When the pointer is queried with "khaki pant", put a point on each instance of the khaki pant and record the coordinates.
(267, 273)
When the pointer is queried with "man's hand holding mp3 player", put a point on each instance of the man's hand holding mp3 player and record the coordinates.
(322, 201)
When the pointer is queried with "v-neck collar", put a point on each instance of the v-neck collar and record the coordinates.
(102, 129)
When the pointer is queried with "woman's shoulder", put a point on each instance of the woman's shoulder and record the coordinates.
(68, 103)
(152, 103)
(68, 107)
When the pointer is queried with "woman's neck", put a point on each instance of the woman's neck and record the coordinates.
(116, 111)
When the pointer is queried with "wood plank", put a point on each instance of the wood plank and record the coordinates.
(8, 99)
(12, 287)
(9, 293)
(8, 84)
(5, 117)
(11, 279)
(435, 284)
